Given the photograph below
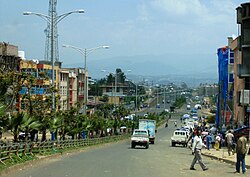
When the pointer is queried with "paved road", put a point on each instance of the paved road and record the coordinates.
(119, 160)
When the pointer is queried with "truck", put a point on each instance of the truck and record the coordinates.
(140, 137)
(150, 126)
(179, 137)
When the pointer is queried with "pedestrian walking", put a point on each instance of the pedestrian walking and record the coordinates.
(217, 142)
(190, 139)
(229, 140)
(175, 123)
(241, 150)
(196, 149)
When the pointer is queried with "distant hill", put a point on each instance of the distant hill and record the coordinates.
(188, 69)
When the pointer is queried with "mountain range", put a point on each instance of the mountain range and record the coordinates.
(163, 69)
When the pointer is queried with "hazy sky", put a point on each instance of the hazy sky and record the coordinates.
(172, 33)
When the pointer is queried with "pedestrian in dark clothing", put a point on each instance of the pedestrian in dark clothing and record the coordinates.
(208, 141)
(241, 150)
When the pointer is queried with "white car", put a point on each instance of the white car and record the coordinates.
(197, 106)
(140, 137)
(179, 137)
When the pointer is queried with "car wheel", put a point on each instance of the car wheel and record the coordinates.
(133, 145)
(173, 144)
(147, 146)
(152, 142)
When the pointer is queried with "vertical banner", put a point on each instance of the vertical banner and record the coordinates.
(222, 83)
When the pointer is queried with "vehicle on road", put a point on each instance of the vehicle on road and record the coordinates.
(150, 126)
(194, 110)
(179, 137)
(140, 138)
(197, 106)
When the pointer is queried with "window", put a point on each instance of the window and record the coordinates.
(231, 57)
(231, 77)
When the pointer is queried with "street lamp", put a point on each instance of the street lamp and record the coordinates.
(53, 20)
(136, 99)
(164, 97)
(85, 52)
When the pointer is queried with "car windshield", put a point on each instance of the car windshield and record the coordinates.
(140, 133)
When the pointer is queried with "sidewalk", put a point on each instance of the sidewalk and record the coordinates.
(222, 155)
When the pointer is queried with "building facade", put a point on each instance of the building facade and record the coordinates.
(239, 85)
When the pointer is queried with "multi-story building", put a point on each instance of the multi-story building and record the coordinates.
(9, 61)
(239, 85)
(9, 57)
(64, 89)
(72, 88)
(208, 90)
(40, 70)
(242, 51)
(69, 82)
(29, 67)
(77, 77)
(118, 91)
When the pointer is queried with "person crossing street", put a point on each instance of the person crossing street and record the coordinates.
(196, 149)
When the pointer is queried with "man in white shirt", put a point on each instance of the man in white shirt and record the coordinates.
(197, 146)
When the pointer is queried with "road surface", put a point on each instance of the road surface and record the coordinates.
(119, 160)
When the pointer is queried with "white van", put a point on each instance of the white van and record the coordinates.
(179, 137)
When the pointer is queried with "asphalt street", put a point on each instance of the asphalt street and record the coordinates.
(119, 160)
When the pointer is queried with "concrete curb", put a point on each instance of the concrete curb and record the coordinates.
(223, 159)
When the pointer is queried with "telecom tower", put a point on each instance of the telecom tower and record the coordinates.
(52, 13)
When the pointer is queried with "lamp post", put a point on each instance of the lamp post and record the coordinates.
(164, 98)
(53, 20)
(85, 52)
(136, 99)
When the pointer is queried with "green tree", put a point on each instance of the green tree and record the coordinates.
(120, 76)
(95, 90)
(27, 124)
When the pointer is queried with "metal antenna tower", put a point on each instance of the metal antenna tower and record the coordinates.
(52, 13)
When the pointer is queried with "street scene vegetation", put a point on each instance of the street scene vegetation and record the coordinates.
(38, 118)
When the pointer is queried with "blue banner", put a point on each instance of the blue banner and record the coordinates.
(223, 82)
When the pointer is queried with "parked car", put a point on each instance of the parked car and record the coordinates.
(140, 137)
(241, 131)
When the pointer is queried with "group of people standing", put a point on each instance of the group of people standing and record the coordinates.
(239, 147)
